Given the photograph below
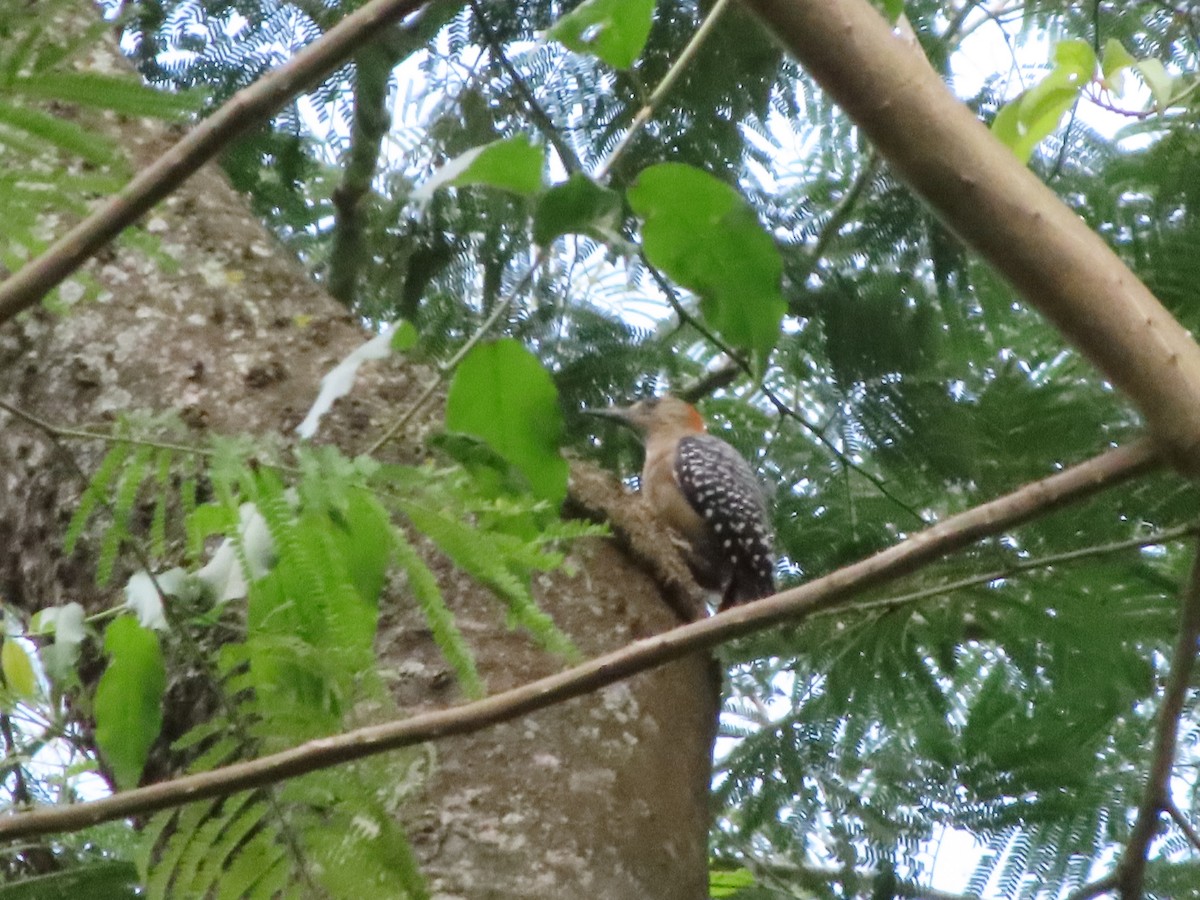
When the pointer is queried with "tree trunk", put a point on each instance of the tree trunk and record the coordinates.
(604, 796)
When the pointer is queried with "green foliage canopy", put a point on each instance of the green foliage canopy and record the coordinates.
(895, 381)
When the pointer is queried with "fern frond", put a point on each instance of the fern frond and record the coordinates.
(176, 828)
(246, 816)
(62, 135)
(130, 483)
(96, 490)
(158, 523)
(425, 590)
(485, 557)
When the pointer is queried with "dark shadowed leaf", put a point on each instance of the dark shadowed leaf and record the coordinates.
(577, 206)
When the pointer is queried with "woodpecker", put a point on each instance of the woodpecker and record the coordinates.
(700, 488)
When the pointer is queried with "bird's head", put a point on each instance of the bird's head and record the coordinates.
(656, 414)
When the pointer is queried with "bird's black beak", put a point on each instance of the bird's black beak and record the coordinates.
(614, 413)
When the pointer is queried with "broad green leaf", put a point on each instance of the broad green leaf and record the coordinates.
(491, 471)
(894, 9)
(128, 704)
(614, 30)
(404, 336)
(1161, 83)
(1076, 57)
(1113, 62)
(502, 394)
(707, 238)
(728, 883)
(1025, 122)
(18, 669)
(513, 164)
(577, 206)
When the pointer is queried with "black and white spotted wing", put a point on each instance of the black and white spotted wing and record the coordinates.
(721, 487)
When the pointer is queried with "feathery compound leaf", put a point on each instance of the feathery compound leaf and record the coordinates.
(218, 841)
(66, 136)
(128, 705)
(160, 855)
(121, 95)
(158, 524)
(486, 557)
(260, 870)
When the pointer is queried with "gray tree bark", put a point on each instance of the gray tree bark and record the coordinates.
(605, 796)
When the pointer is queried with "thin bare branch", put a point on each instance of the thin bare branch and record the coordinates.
(1131, 871)
(1033, 565)
(781, 406)
(245, 109)
(537, 112)
(1095, 888)
(792, 876)
(449, 365)
(841, 214)
(79, 434)
(1183, 824)
(837, 588)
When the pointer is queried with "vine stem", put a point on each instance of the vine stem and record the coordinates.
(57, 431)
(1156, 797)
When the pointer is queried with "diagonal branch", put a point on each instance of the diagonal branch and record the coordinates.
(1156, 799)
(246, 108)
(550, 131)
(1182, 822)
(1095, 888)
(837, 588)
(1000, 208)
